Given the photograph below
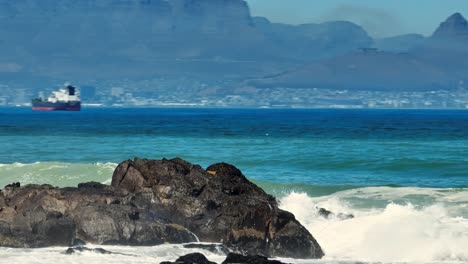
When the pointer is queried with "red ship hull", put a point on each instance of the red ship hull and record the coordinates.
(48, 106)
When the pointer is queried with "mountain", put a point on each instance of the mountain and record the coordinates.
(100, 39)
(368, 70)
(454, 27)
(215, 42)
(117, 21)
(104, 37)
(314, 41)
(401, 63)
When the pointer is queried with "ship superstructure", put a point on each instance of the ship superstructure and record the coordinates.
(66, 99)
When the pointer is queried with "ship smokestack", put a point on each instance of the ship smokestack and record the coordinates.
(71, 90)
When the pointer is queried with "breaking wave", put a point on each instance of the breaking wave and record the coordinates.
(390, 225)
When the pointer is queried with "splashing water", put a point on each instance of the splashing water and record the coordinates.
(390, 233)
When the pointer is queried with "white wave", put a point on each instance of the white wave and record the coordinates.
(17, 165)
(387, 234)
(54, 167)
(107, 165)
(167, 252)
(107, 181)
(104, 169)
(391, 224)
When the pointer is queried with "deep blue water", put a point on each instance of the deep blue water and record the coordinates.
(419, 148)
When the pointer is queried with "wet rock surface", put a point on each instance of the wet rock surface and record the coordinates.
(43, 216)
(232, 258)
(194, 258)
(151, 202)
(330, 215)
(74, 250)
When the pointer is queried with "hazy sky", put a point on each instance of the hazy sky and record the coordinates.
(378, 17)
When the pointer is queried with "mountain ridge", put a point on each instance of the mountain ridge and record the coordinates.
(454, 26)
(214, 40)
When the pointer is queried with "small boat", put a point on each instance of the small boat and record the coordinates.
(65, 99)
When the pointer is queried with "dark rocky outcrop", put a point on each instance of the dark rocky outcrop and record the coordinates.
(73, 250)
(41, 215)
(194, 258)
(13, 185)
(329, 214)
(233, 258)
(152, 202)
(218, 204)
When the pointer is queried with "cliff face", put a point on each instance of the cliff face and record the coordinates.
(142, 30)
(211, 16)
(100, 27)
(158, 15)
(99, 39)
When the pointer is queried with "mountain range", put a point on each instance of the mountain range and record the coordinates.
(217, 39)
(401, 63)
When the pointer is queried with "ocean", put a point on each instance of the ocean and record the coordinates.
(403, 174)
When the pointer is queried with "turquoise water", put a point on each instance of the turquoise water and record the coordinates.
(390, 168)
(314, 147)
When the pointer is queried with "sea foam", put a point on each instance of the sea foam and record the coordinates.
(387, 234)
(391, 225)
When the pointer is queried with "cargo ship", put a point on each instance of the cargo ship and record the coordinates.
(65, 99)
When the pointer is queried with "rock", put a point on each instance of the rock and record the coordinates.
(91, 185)
(218, 204)
(233, 258)
(455, 26)
(116, 224)
(152, 202)
(328, 214)
(73, 250)
(342, 216)
(324, 212)
(13, 185)
(78, 243)
(55, 232)
(194, 258)
(42, 216)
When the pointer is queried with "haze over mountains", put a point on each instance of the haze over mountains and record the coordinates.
(99, 40)
(407, 62)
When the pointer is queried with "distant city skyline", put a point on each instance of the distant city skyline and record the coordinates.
(380, 18)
